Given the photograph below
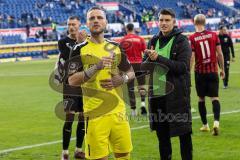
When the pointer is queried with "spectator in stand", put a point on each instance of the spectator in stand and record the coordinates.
(27, 30)
(53, 36)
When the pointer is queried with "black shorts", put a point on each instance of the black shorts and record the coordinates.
(73, 104)
(138, 73)
(207, 84)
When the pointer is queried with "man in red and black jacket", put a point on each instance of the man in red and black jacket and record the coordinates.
(134, 47)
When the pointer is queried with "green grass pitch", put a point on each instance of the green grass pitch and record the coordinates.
(27, 118)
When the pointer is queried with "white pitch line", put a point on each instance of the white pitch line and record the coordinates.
(28, 147)
(60, 141)
(223, 113)
(140, 127)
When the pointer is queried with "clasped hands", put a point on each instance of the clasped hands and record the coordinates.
(116, 79)
(152, 54)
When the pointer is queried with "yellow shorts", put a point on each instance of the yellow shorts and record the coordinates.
(107, 132)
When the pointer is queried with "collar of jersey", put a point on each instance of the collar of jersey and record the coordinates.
(89, 40)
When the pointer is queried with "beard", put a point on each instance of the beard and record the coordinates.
(96, 32)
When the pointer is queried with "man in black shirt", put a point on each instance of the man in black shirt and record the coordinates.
(72, 103)
(226, 45)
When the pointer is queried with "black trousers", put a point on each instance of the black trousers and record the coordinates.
(226, 70)
(141, 81)
(164, 138)
(165, 146)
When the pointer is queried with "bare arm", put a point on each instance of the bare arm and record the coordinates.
(125, 75)
(81, 77)
(118, 79)
(192, 61)
(130, 73)
(220, 57)
(76, 79)
(220, 61)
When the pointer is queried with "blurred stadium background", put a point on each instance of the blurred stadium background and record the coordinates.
(28, 22)
(29, 30)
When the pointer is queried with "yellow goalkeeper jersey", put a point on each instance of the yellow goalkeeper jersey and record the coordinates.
(98, 101)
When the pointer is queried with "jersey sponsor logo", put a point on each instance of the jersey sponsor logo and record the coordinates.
(125, 45)
(73, 67)
(133, 40)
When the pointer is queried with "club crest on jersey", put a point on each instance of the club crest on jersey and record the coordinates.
(73, 66)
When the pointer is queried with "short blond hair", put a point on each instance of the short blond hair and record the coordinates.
(200, 19)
